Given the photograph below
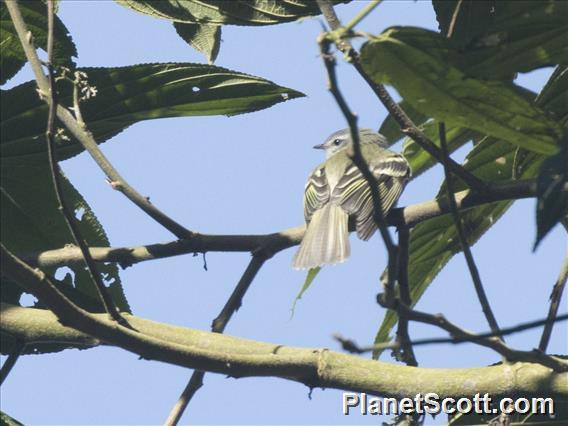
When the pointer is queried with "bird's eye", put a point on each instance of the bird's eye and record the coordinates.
(337, 142)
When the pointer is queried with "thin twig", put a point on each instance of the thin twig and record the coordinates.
(351, 346)
(11, 360)
(269, 244)
(359, 161)
(454, 19)
(495, 343)
(218, 326)
(474, 272)
(407, 127)
(83, 136)
(66, 212)
(402, 337)
(555, 297)
(361, 15)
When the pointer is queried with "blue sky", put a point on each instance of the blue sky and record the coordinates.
(246, 174)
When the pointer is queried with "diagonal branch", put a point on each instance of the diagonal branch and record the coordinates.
(474, 272)
(406, 353)
(359, 161)
(555, 297)
(218, 326)
(406, 125)
(95, 276)
(84, 137)
(11, 360)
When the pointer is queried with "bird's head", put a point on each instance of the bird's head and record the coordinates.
(341, 140)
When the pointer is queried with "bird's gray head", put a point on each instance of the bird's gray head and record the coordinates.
(341, 139)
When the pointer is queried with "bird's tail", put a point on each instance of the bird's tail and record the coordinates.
(326, 240)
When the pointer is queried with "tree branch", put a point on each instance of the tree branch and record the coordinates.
(473, 271)
(555, 297)
(84, 137)
(11, 360)
(218, 326)
(100, 288)
(513, 355)
(406, 125)
(238, 357)
(270, 244)
(406, 353)
(352, 347)
(359, 161)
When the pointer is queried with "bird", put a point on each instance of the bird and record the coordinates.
(337, 196)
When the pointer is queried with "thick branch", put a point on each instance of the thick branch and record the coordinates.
(270, 244)
(315, 367)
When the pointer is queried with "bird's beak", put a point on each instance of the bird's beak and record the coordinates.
(320, 146)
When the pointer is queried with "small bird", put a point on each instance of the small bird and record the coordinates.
(337, 196)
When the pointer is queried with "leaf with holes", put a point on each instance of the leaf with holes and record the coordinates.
(32, 223)
(131, 94)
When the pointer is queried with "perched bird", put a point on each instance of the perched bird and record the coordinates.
(337, 196)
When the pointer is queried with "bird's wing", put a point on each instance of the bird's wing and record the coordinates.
(353, 194)
(316, 193)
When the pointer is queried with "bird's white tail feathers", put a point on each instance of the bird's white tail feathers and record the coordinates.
(326, 240)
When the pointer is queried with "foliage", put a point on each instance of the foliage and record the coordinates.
(464, 79)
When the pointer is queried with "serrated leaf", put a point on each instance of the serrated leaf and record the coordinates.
(31, 223)
(426, 79)
(390, 128)
(203, 37)
(310, 276)
(236, 12)
(35, 17)
(552, 195)
(499, 39)
(131, 94)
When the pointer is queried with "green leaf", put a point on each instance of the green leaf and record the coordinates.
(131, 94)
(35, 17)
(552, 195)
(390, 128)
(236, 12)
(433, 243)
(420, 160)
(498, 39)
(32, 223)
(312, 273)
(203, 37)
(426, 79)
(555, 95)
